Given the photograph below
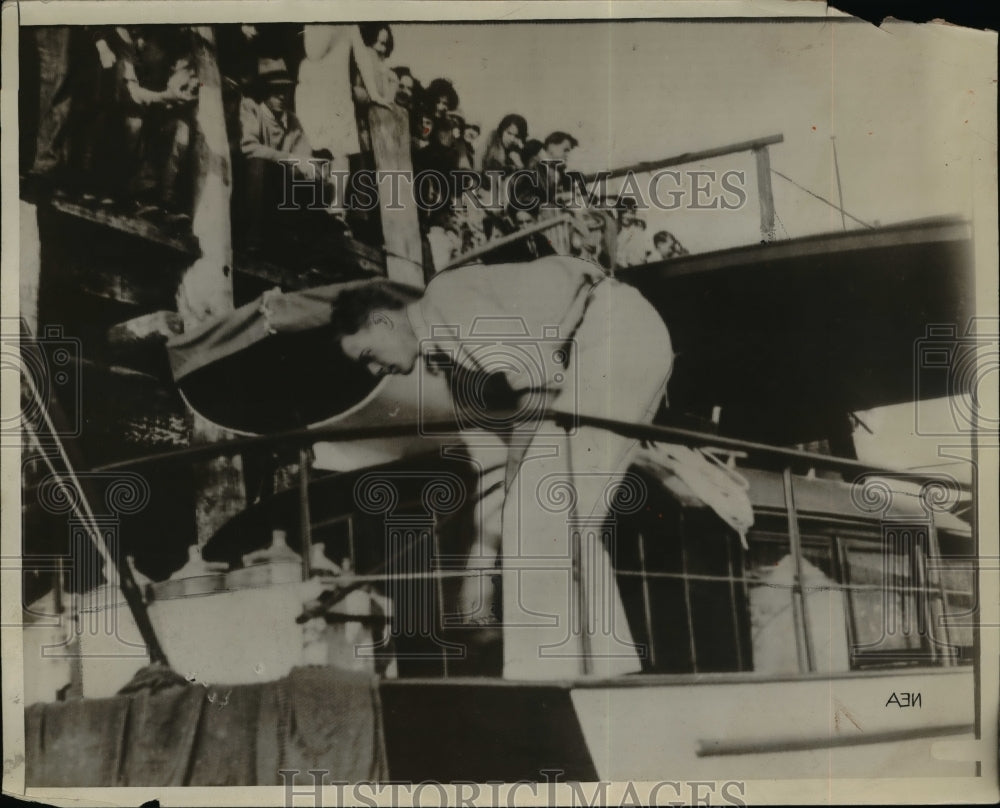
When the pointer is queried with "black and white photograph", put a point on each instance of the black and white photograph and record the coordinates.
(498, 403)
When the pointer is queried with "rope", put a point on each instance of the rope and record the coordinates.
(782, 224)
(88, 518)
(350, 579)
(821, 199)
(401, 257)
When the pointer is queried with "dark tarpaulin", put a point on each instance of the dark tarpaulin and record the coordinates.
(315, 718)
(273, 364)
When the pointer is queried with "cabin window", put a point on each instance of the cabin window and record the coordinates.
(958, 583)
(680, 574)
(887, 621)
(867, 602)
(779, 612)
(695, 599)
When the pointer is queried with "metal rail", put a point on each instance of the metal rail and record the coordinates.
(797, 458)
(522, 234)
(789, 459)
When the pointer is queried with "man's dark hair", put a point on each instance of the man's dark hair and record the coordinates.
(442, 88)
(369, 35)
(513, 119)
(353, 307)
(401, 70)
(561, 137)
(531, 149)
(660, 237)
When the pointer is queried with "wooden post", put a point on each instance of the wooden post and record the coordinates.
(800, 608)
(764, 194)
(390, 132)
(30, 260)
(206, 288)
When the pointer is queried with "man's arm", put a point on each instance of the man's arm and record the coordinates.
(177, 90)
(527, 307)
(251, 141)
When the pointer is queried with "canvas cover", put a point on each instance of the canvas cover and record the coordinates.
(273, 363)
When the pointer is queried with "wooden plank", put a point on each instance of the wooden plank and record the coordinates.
(121, 287)
(503, 241)
(764, 194)
(352, 260)
(132, 225)
(367, 259)
(390, 131)
(155, 327)
(688, 157)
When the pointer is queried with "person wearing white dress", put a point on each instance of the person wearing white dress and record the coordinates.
(324, 101)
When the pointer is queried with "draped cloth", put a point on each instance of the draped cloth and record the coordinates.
(197, 735)
(273, 363)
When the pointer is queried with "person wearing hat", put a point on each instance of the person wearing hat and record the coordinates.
(552, 333)
(408, 89)
(270, 130)
(666, 246)
(464, 159)
(157, 88)
(271, 138)
(421, 128)
(457, 121)
(558, 146)
(631, 244)
(470, 134)
(434, 166)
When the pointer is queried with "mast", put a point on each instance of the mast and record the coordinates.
(206, 287)
(840, 190)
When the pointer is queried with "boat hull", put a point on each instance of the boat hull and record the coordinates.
(651, 728)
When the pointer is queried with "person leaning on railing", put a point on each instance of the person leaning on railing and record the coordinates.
(379, 44)
(592, 346)
(157, 89)
(503, 149)
(276, 152)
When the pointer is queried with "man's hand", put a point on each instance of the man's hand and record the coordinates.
(303, 167)
(106, 55)
(181, 87)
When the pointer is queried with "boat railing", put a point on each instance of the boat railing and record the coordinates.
(919, 589)
(759, 147)
(558, 228)
(561, 224)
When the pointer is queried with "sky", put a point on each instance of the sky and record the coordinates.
(896, 102)
(910, 107)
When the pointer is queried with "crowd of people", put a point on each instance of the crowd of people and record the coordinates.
(115, 125)
(115, 117)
